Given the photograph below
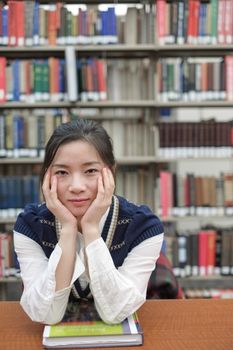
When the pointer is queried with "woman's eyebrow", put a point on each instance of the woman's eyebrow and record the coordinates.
(58, 165)
(91, 162)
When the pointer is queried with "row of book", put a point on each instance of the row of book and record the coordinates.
(205, 252)
(195, 78)
(136, 184)
(172, 195)
(207, 138)
(169, 195)
(181, 22)
(94, 79)
(178, 195)
(7, 262)
(212, 293)
(27, 23)
(17, 191)
(132, 138)
(23, 134)
(195, 22)
(86, 79)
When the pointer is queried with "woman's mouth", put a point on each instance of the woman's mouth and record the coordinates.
(79, 202)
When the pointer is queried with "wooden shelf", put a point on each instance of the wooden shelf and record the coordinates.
(89, 2)
(91, 104)
(206, 282)
(105, 51)
(197, 217)
(194, 50)
(10, 279)
(120, 160)
(196, 104)
(117, 104)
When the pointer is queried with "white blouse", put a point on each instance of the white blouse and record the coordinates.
(117, 292)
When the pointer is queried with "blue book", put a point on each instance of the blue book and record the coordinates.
(35, 29)
(200, 27)
(112, 25)
(35, 189)
(62, 79)
(16, 89)
(104, 33)
(4, 26)
(18, 195)
(18, 131)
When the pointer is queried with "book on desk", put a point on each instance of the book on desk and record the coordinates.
(82, 327)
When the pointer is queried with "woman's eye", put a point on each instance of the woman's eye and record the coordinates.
(91, 171)
(61, 172)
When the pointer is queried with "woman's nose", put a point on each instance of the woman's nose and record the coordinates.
(77, 184)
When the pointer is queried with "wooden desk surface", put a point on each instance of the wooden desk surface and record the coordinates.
(167, 324)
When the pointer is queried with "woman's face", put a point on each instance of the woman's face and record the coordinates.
(77, 166)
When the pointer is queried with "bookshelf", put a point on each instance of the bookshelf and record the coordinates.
(145, 110)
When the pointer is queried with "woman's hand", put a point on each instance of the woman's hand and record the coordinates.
(49, 189)
(91, 219)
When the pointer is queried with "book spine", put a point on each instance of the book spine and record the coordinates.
(71, 71)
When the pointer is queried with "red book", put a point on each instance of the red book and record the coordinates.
(166, 193)
(52, 27)
(190, 21)
(195, 15)
(228, 22)
(28, 88)
(229, 77)
(202, 252)
(221, 24)
(101, 69)
(160, 20)
(20, 9)
(2, 79)
(12, 26)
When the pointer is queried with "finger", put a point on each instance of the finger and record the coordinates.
(53, 188)
(100, 186)
(105, 178)
(111, 178)
(46, 182)
(109, 182)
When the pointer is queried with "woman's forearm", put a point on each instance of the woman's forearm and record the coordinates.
(65, 267)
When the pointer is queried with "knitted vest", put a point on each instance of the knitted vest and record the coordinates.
(126, 226)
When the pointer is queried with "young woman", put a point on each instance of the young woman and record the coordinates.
(84, 241)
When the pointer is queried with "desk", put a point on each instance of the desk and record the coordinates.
(167, 324)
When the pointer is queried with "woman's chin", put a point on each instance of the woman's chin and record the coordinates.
(78, 212)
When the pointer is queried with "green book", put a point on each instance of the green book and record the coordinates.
(81, 327)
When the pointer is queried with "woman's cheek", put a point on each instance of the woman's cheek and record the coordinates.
(60, 189)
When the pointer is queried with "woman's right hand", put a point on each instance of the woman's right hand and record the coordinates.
(49, 189)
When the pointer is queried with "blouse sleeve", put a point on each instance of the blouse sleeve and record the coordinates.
(39, 298)
(120, 292)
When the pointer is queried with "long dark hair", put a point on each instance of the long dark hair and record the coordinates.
(84, 130)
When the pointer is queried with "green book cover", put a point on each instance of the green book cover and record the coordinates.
(82, 326)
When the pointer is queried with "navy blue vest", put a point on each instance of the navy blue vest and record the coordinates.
(126, 226)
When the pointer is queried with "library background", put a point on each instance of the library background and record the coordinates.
(159, 76)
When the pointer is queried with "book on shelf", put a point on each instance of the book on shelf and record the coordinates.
(81, 326)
